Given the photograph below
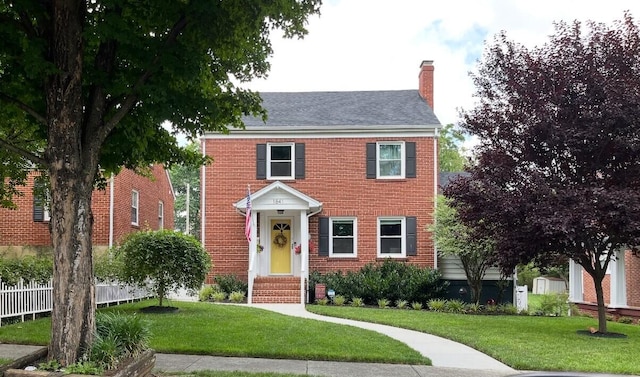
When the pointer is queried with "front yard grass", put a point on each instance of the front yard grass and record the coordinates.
(227, 330)
(522, 342)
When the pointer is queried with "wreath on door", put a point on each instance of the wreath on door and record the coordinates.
(280, 240)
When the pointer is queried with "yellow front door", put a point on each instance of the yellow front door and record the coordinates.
(281, 246)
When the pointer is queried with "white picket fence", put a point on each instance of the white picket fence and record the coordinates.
(33, 298)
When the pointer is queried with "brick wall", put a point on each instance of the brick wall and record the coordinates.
(17, 228)
(632, 271)
(336, 176)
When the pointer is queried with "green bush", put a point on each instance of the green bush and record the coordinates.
(437, 305)
(474, 308)
(231, 283)
(509, 309)
(206, 292)
(401, 304)
(322, 301)
(391, 279)
(163, 261)
(219, 296)
(339, 300)
(454, 306)
(416, 305)
(383, 303)
(108, 266)
(625, 320)
(554, 304)
(236, 296)
(28, 268)
(357, 302)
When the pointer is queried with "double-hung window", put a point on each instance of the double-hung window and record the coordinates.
(397, 237)
(160, 215)
(343, 237)
(391, 160)
(280, 161)
(134, 207)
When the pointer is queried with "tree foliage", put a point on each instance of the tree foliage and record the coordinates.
(85, 86)
(558, 171)
(457, 239)
(185, 178)
(449, 157)
(164, 261)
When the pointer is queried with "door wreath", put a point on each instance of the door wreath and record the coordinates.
(280, 240)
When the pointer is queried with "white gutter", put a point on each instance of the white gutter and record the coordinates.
(111, 203)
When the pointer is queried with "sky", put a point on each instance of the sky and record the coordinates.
(379, 44)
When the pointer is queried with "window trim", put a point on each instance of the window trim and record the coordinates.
(403, 153)
(403, 237)
(355, 237)
(160, 214)
(136, 206)
(292, 161)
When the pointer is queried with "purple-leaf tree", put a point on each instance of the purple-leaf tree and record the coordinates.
(558, 167)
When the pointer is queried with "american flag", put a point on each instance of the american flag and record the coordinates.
(247, 218)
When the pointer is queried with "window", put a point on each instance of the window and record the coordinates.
(343, 237)
(391, 160)
(160, 215)
(134, 207)
(280, 161)
(397, 237)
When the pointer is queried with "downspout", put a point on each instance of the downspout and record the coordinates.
(203, 196)
(435, 193)
(111, 204)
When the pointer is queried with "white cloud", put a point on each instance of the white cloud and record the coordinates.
(379, 44)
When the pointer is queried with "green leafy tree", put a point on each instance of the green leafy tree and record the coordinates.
(455, 238)
(186, 184)
(449, 157)
(164, 261)
(84, 88)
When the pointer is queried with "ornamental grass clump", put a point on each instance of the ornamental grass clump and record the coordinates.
(236, 296)
(401, 304)
(383, 303)
(437, 305)
(416, 305)
(357, 302)
(339, 300)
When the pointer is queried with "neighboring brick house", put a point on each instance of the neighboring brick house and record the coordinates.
(337, 179)
(621, 287)
(129, 203)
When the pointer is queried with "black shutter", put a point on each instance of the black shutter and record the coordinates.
(412, 241)
(410, 156)
(371, 160)
(299, 160)
(323, 232)
(38, 209)
(261, 161)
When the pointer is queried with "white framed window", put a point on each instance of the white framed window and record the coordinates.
(390, 160)
(391, 237)
(160, 215)
(135, 196)
(281, 161)
(343, 235)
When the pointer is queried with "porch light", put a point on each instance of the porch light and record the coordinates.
(280, 211)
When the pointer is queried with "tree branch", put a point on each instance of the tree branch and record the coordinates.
(24, 107)
(22, 152)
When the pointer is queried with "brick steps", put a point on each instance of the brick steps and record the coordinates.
(276, 290)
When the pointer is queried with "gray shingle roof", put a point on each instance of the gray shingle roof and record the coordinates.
(357, 108)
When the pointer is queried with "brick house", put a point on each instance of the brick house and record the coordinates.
(337, 180)
(129, 203)
(621, 287)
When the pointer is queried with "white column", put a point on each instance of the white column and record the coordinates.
(575, 282)
(253, 256)
(618, 294)
(304, 253)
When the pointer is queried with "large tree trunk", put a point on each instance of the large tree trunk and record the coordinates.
(72, 171)
(602, 310)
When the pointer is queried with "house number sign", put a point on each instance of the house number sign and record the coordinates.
(278, 201)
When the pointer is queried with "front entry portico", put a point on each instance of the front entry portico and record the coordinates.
(279, 237)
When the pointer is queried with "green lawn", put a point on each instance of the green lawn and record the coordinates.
(522, 342)
(226, 330)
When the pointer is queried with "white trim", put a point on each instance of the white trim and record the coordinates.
(311, 205)
(576, 283)
(402, 159)
(436, 169)
(618, 282)
(403, 237)
(329, 132)
(136, 206)
(355, 237)
(160, 214)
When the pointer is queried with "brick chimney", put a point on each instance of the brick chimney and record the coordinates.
(425, 79)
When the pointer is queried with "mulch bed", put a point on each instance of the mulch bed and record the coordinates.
(599, 334)
(159, 309)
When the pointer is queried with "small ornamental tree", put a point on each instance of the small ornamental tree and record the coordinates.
(164, 261)
(558, 167)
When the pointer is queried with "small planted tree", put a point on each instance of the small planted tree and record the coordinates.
(163, 261)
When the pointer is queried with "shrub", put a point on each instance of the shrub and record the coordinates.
(383, 303)
(219, 296)
(473, 308)
(28, 268)
(554, 304)
(401, 304)
(416, 305)
(508, 309)
(231, 283)
(357, 302)
(206, 292)
(322, 301)
(454, 306)
(339, 300)
(236, 296)
(437, 305)
(625, 320)
(108, 266)
(164, 261)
